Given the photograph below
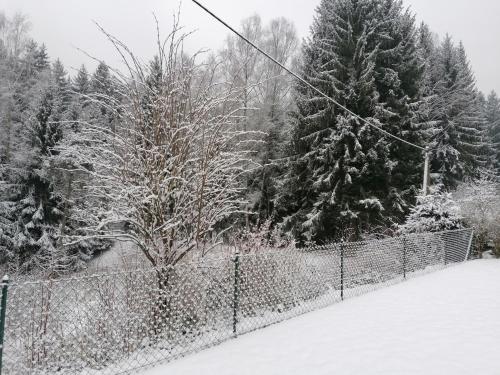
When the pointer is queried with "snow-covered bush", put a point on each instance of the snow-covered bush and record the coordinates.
(479, 203)
(433, 213)
(260, 238)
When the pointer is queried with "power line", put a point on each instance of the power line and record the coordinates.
(385, 132)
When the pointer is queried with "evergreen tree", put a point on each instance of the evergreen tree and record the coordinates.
(29, 60)
(492, 115)
(81, 83)
(79, 88)
(458, 147)
(426, 47)
(41, 197)
(69, 182)
(102, 89)
(435, 212)
(61, 90)
(41, 58)
(399, 79)
(101, 82)
(341, 176)
(36, 209)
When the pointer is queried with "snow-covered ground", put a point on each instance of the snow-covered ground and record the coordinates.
(442, 323)
(121, 254)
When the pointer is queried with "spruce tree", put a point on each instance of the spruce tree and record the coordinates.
(78, 107)
(492, 116)
(81, 83)
(41, 58)
(38, 207)
(61, 91)
(70, 181)
(102, 89)
(399, 79)
(37, 210)
(32, 209)
(101, 82)
(341, 176)
(458, 145)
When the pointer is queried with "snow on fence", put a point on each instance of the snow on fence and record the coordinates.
(121, 322)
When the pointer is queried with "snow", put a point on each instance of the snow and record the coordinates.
(442, 323)
(121, 253)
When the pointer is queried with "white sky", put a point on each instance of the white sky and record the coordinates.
(64, 25)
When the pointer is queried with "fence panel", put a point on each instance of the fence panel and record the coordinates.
(116, 323)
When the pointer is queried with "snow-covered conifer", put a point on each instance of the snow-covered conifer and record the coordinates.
(435, 212)
(345, 175)
(492, 115)
(459, 144)
(81, 83)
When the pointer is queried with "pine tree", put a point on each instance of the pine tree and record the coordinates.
(41, 59)
(399, 79)
(81, 83)
(426, 47)
(458, 147)
(362, 53)
(37, 209)
(32, 210)
(61, 91)
(29, 60)
(102, 89)
(492, 115)
(101, 82)
(69, 182)
(435, 212)
(17, 87)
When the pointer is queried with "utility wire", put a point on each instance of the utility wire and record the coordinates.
(307, 83)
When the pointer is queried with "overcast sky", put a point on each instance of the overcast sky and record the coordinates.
(64, 25)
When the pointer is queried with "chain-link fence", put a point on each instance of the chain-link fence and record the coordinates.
(116, 323)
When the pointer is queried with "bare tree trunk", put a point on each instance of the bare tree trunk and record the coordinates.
(69, 190)
(162, 306)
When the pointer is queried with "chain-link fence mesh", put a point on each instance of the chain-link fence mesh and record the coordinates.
(117, 323)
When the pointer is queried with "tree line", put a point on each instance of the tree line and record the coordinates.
(181, 152)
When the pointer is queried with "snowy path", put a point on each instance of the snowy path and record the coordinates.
(443, 323)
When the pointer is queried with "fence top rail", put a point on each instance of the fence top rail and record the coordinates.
(332, 245)
(218, 261)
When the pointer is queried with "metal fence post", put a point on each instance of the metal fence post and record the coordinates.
(445, 250)
(236, 291)
(342, 270)
(468, 254)
(404, 257)
(3, 308)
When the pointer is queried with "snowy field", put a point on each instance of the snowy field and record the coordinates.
(442, 323)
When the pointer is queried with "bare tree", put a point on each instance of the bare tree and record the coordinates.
(13, 40)
(265, 98)
(242, 63)
(170, 170)
(281, 42)
(14, 34)
(479, 203)
(264, 88)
